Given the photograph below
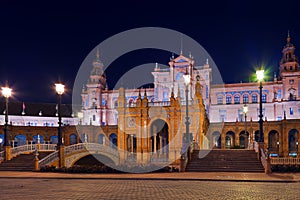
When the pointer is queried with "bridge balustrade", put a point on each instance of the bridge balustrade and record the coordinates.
(49, 159)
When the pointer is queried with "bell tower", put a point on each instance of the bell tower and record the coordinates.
(289, 71)
(289, 61)
(92, 94)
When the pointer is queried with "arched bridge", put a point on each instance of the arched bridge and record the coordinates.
(73, 153)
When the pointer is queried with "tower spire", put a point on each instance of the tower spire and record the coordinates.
(97, 54)
(181, 45)
(288, 39)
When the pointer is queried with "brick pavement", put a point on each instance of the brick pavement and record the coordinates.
(43, 188)
(207, 176)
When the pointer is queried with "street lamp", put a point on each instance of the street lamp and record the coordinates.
(260, 77)
(187, 80)
(6, 92)
(60, 88)
(245, 110)
(1, 140)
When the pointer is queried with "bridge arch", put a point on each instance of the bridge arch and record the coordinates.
(94, 159)
(72, 159)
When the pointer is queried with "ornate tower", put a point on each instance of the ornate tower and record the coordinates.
(289, 71)
(92, 94)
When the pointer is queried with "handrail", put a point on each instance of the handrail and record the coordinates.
(284, 161)
(47, 147)
(49, 159)
(255, 146)
(90, 147)
(159, 103)
(22, 149)
(263, 159)
(31, 148)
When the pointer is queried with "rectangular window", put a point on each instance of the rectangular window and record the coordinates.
(291, 111)
(206, 88)
(279, 94)
(94, 118)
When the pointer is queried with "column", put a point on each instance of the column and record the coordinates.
(223, 136)
(154, 138)
(160, 143)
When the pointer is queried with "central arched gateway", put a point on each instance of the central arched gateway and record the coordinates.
(159, 139)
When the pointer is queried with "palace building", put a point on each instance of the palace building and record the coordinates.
(150, 124)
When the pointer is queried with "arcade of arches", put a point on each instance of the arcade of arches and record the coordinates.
(281, 137)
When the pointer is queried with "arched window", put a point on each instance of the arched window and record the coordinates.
(20, 140)
(245, 98)
(228, 99)
(254, 98)
(113, 140)
(237, 99)
(220, 99)
(73, 139)
(116, 104)
(54, 139)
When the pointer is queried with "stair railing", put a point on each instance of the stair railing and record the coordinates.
(187, 156)
(48, 159)
(23, 149)
(255, 146)
(265, 160)
(47, 147)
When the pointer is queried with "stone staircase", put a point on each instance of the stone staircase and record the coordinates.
(235, 160)
(23, 162)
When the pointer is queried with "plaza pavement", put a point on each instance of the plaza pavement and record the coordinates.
(186, 176)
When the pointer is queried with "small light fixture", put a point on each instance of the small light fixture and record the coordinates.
(260, 75)
(245, 109)
(60, 88)
(6, 92)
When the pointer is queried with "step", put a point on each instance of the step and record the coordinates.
(225, 160)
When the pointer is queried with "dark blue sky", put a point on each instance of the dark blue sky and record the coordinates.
(42, 42)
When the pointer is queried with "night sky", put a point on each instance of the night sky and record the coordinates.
(43, 42)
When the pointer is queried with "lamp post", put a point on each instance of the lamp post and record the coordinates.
(6, 92)
(187, 80)
(245, 110)
(260, 77)
(60, 88)
(1, 140)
